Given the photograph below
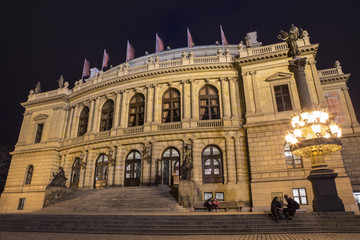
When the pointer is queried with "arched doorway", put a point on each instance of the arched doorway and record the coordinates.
(101, 171)
(168, 167)
(133, 169)
(75, 174)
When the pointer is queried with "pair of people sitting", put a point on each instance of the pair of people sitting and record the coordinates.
(212, 204)
(289, 209)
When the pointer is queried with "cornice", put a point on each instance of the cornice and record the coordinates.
(274, 55)
(44, 100)
(150, 73)
(335, 78)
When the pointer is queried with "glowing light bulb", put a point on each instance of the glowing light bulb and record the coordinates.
(339, 133)
(295, 120)
(316, 129)
(316, 115)
(297, 133)
(334, 128)
(327, 135)
(324, 117)
(304, 116)
(301, 123)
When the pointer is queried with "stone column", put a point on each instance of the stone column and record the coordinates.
(124, 107)
(157, 105)
(319, 92)
(156, 152)
(241, 161)
(249, 103)
(75, 122)
(225, 98)
(230, 158)
(95, 125)
(91, 116)
(186, 97)
(24, 128)
(194, 102)
(297, 66)
(234, 106)
(70, 122)
(111, 167)
(118, 166)
(149, 104)
(117, 110)
(83, 170)
(350, 107)
(256, 92)
(197, 161)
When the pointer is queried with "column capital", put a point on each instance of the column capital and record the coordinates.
(297, 64)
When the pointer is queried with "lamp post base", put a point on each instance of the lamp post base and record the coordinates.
(325, 193)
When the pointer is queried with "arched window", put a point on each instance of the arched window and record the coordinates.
(168, 167)
(29, 174)
(107, 114)
(75, 174)
(292, 161)
(133, 169)
(171, 106)
(212, 165)
(209, 103)
(83, 121)
(101, 171)
(136, 110)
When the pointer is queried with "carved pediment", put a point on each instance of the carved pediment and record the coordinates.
(41, 117)
(279, 76)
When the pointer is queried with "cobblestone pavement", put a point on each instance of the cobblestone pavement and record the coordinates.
(71, 236)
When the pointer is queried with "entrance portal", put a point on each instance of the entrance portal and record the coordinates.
(75, 174)
(168, 168)
(101, 171)
(133, 169)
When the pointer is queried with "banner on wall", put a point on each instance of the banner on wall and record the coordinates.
(335, 107)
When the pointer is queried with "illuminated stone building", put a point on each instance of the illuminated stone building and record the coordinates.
(226, 109)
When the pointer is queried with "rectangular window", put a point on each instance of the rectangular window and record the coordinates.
(282, 97)
(39, 131)
(21, 204)
(219, 196)
(300, 195)
(207, 195)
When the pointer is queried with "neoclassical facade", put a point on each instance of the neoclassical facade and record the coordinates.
(226, 110)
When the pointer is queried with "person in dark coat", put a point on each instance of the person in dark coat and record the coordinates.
(276, 208)
(290, 209)
(208, 204)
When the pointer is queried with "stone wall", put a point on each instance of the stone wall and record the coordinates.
(351, 156)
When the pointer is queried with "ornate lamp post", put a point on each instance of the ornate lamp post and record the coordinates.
(314, 136)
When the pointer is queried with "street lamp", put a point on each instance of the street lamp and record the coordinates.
(315, 135)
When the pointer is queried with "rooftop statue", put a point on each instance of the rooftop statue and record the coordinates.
(61, 81)
(37, 88)
(291, 37)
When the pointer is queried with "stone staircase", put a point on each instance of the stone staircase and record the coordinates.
(118, 200)
(180, 223)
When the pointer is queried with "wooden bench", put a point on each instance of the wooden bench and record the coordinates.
(224, 205)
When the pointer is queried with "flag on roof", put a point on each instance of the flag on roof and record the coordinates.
(223, 38)
(86, 69)
(130, 52)
(190, 39)
(159, 44)
(106, 58)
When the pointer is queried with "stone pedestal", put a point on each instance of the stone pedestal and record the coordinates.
(325, 193)
(54, 194)
(186, 193)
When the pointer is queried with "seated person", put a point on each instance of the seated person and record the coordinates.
(215, 204)
(291, 207)
(208, 204)
(276, 208)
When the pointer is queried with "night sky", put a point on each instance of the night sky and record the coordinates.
(41, 40)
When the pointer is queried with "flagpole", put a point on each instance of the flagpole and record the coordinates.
(156, 43)
(127, 50)
(82, 75)
(222, 38)
(187, 33)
